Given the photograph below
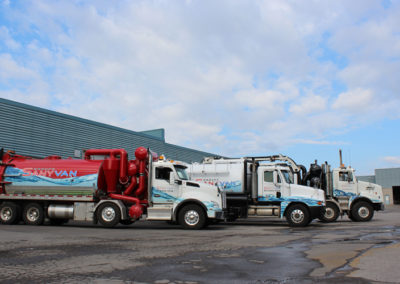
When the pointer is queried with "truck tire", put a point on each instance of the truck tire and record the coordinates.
(10, 213)
(192, 217)
(108, 214)
(33, 214)
(331, 213)
(297, 215)
(362, 211)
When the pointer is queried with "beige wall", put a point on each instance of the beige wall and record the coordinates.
(387, 192)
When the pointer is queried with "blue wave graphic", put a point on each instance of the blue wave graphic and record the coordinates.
(338, 192)
(16, 177)
(285, 201)
(163, 197)
(230, 186)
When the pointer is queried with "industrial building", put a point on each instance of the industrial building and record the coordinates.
(389, 179)
(39, 132)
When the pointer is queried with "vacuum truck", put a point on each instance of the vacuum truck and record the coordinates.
(256, 187)
(104, 187)
(343, 192)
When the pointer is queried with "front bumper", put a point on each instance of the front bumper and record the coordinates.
(220, 215)
(379, 206)
(316, 211)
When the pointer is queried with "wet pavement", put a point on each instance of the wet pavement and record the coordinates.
(248, 251)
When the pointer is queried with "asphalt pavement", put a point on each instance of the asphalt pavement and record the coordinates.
(247, 251)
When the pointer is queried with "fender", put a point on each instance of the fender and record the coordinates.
(119, 203)
(285, 205)
(186, 202)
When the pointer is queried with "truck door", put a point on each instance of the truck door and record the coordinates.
(163, 190)
(346, 182)
(271, 184)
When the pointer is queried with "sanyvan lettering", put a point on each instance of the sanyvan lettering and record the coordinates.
(49, 172)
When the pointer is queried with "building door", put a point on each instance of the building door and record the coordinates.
(396, 194)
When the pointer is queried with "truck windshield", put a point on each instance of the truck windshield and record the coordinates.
(288, 176)
(181, 171)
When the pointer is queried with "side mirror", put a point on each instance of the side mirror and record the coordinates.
(171, 178)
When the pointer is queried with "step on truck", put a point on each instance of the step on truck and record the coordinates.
(256, 187)
(104, 187)
(345, 194)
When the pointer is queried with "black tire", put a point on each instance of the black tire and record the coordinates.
(331, 213)
(362, 211)
(351, 217)
(33, 214)
(58, 222)
(298, 215)
(108, 214)
(10, 213)
(192, 217)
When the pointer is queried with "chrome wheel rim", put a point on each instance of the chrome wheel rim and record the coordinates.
(32, 214)
(6, 213)
(329, 213)
(192, 217)
(108, 214)
(363, 212)
(297, 216)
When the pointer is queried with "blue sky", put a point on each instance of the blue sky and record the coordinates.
(301, 78)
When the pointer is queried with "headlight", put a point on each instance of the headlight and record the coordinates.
(215, 204)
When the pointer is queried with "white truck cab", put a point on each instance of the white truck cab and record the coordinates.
(173, 197)
(345, 183)
(277, 183)
(358, 199)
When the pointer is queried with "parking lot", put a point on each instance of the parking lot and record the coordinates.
(255, 251)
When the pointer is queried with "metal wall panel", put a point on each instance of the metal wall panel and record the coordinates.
(388, 178)
(39, 132)
(370, 179)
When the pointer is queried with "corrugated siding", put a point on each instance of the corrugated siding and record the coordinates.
(38, 132)
(388, 177)
(370, 179)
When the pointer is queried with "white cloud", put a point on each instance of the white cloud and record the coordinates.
(309, 105)
(394, 160)
(358, 100)
(219, 76)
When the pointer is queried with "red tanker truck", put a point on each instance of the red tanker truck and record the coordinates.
(104, 187)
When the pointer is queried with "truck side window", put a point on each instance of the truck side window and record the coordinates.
(268, 176)
(345, 176)
(163, 173)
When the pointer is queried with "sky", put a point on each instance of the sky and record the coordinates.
(231, 77)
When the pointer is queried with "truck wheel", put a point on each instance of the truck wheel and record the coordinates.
(192, 217)
(33, 214)
(362, 211)
(108, 214)
(298, 216)
(331, 213)
(10, 213)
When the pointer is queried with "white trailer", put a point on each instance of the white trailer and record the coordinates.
(255, 187)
